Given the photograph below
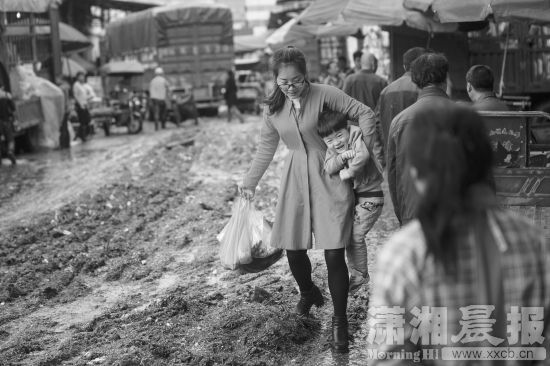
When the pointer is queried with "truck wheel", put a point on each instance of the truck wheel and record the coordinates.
(135, 125)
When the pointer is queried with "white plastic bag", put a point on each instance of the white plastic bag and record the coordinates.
(243, 231)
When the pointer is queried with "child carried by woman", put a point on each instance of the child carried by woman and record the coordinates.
(348, 156)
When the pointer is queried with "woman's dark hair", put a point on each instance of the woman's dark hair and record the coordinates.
(452, 154)
(331, 121)
(284, 56)
(429, 68)
(230, 74)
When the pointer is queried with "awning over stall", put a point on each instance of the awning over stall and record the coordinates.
(129, 67)
(292, 31)
(250, 42)
(475, 10)
(360, 12)
(71, 39)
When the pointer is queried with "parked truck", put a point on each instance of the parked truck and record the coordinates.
(192, 43)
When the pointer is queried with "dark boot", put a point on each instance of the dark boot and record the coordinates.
(308, 299)
(340, 340)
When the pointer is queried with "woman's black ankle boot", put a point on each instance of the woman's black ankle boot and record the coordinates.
(340, 340)
(308, 299)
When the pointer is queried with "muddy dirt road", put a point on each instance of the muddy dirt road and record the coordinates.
(108, 256)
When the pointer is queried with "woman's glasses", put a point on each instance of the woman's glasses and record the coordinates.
(296, 84)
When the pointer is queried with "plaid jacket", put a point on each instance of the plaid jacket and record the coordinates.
(407, 277)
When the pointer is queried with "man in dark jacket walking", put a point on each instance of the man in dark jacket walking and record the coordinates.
(479, 84)
(399, 95)
(365, 85)
(230, 96)
(429, 73)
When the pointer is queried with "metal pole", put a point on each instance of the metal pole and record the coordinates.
(34, 49)
(56, 70)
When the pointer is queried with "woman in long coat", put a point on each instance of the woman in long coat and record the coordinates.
(310, 200)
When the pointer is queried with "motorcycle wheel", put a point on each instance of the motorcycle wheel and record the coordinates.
(135, 125)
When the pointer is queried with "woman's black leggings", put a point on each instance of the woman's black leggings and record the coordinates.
(338, 280)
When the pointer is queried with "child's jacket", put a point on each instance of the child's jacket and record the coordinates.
(362, 167)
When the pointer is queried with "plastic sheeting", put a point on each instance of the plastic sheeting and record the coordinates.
(52, 101)
(149, 28)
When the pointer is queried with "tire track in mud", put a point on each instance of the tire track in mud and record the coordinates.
(94, 235)
(67, 174)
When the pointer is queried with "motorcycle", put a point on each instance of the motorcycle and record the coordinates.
(122, 112)
(128, 108)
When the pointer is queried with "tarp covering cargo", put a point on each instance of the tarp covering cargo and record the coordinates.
(149, 28)
(27, 6)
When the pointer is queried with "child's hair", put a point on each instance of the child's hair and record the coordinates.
(331, 121)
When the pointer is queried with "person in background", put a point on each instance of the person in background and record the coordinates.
(334, 77)
(83, 94)
(429, 73)
(7, 111)
(399, 95)
(159, 89)
(184, 105)
(342, 64)
(484, 265)
(479, 85)
(365, 85)
(64, 134)
(230, 96)
(375, 63)
(348, 157)
(310, 201)
(356, 63)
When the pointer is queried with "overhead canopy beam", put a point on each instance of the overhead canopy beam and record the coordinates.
(127, 5)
